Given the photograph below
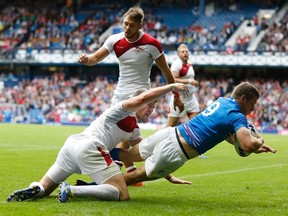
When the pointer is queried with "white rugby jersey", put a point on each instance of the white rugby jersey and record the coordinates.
(135, 61)
(113, 126)
(184, 71)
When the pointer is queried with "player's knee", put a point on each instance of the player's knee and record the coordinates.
(124, 196)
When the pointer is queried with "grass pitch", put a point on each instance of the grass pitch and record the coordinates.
(223, 184)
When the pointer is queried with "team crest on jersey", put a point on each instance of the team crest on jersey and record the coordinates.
(139, 49)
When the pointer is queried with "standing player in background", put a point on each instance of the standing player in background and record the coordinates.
(136, 52)
(183, 72)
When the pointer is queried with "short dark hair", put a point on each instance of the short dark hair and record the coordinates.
(136, 14)
(247, 89)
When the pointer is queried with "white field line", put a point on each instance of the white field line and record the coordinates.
(11, 147)
(224, 172)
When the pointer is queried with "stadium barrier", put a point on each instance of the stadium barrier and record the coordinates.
(211, 58)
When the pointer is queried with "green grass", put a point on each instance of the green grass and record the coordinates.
(223, 184)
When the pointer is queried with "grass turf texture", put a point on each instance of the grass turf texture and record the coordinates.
(223, 184)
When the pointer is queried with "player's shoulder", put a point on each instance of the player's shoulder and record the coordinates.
(149, 39)
(178, 61)
(116, 37)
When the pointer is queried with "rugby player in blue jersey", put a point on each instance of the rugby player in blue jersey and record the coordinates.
(168, 149)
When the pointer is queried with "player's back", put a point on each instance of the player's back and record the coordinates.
(105, 131)
(213, 125)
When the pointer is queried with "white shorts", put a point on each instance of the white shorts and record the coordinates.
(162, 152)
(190, 106)
(83, 155)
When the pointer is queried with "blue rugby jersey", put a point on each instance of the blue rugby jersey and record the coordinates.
(213, 125)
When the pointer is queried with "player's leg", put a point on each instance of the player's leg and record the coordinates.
(51, 179)
(96, 162)
(42, 188)
(113, 188)
(138, 175)
(129, 165)
(167, 156)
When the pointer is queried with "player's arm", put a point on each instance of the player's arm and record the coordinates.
(231, 139)
(134, 142)
(248, 142)
(163, 66)
(175, 180)
(94, 58)
(185, 81)
(135, 103)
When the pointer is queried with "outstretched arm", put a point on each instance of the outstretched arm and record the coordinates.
(135, 103)
(251, 143)
(94, 58)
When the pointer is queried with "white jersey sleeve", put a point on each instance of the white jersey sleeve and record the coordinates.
(176, 67)
(110, 41)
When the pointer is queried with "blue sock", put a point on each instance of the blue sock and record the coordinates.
(115, 154)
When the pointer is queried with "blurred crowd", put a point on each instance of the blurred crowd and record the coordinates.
(78, 25)
(59, 26)
(58, 100)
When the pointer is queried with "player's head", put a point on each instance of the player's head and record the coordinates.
(133, 22)
(144, 113)
(246, 95)
(183, 52)
(136, 14)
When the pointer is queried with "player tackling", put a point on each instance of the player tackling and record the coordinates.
(168, 149)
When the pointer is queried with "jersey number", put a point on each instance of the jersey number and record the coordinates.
(211, 109)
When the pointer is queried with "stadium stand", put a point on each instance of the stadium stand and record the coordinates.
(39, 40)
(56, 100)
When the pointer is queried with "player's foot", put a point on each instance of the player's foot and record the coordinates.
(139, 184)
(65, 192)
(24, 194)
(203, 156)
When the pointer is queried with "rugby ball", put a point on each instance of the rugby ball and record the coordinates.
(237, 145)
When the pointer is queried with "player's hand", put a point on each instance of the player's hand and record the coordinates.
(177, 102)
(83, 59)
(266, 148)
(180, 88)
(194, 83)
(175, 180)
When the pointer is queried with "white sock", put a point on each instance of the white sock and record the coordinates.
(102, 192)
(42, 190)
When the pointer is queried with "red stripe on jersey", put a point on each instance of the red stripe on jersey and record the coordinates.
(122, 46)
(106, 156)
(128, 124)
(184, 70)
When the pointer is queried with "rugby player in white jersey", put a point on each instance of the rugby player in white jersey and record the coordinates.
(88, 152)
(183, 72)
(136, 52)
